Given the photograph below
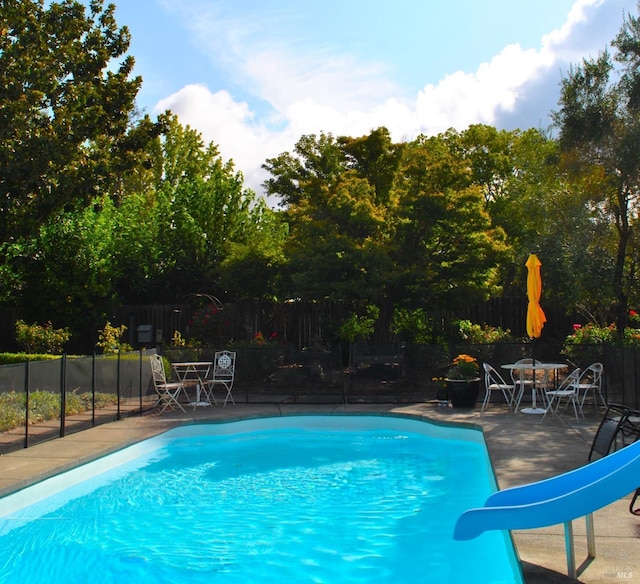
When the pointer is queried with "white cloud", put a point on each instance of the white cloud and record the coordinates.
(227, 123)
(461, 99)
(315, 91)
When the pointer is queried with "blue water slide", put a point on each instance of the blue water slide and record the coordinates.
(556, 500)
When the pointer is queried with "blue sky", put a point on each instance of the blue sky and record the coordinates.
(254, 75)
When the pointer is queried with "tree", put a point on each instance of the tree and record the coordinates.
(65, 109)
(176, 230)
(386, 224)
(336, 245)
(316, 160)
(65, 273)
(445, 250)
(599, 123)
(336, 196)
(375, 158)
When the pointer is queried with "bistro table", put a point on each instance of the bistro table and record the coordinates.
(193, 373)
(534, 366)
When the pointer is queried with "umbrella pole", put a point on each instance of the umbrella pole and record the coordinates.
(533, 360)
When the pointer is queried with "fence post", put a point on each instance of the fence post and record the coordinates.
(118, 384)
(26, 411)
(140, 380)
(63, 393)
(93, 390)
(635, 378)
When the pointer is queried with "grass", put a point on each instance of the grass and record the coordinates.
(45, 405)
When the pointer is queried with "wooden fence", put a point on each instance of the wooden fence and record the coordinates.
(301, 324)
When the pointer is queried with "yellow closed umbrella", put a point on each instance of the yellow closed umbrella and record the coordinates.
(535, 314)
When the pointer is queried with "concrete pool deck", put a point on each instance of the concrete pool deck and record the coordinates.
(523, 449)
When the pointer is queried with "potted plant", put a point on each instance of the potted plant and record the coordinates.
(463, 381)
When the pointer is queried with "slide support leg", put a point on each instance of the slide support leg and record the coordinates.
(571, 551)
(591, 536)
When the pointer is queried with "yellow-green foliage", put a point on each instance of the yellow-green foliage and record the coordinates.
(109, 339)
(11, 358)
(36, 338)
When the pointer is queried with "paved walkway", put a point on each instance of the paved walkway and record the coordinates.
(522, 448)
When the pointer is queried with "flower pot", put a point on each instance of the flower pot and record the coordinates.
(463, 393)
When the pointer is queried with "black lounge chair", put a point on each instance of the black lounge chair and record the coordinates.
(619, 423)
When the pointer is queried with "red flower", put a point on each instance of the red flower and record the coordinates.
(577, 326)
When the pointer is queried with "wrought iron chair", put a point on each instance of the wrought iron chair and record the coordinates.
(522, 380)
(168, 391)
(224, 365)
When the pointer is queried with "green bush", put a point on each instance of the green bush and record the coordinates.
(414, 326)
(359, 326)
(481, 334)
(110, 339)
(12, 358)
(37, 338)
(576, 344)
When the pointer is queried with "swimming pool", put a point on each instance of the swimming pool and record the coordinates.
(300, 499)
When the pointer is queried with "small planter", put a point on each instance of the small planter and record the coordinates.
(463, 393)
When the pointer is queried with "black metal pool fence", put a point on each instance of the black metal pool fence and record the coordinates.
(42, 400)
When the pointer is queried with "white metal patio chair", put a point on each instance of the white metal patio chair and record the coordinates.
(522, 380)
(168, 391)
(568, 390)
(224, 365)
(591, 380)
(493, 381)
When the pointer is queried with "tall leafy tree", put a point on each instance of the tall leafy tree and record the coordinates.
(372, 221)
(375, 158)
(64, 274)
(336, 246)
(445, 249)
(335, 193)
(599, 123)
(178, 225)
(66, 102)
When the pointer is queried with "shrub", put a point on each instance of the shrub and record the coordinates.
(37, 338)
(357, 326)
(414, 326)
(208, 327)
(590, 334)
(110, 339)
(12, 358)
(45, 405)
(481, 334)
(575, 346)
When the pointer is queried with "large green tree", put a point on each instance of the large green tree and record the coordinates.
(599, 123)
(336, 196)
(445, 248)
(67, 98)
(391, 224)
(188, 214)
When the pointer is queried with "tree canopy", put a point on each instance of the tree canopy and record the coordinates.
(66, 103)
(100, 206)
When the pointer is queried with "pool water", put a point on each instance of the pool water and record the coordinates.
(327, 499)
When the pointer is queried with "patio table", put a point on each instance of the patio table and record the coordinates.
(193, 373)
(546, 368)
